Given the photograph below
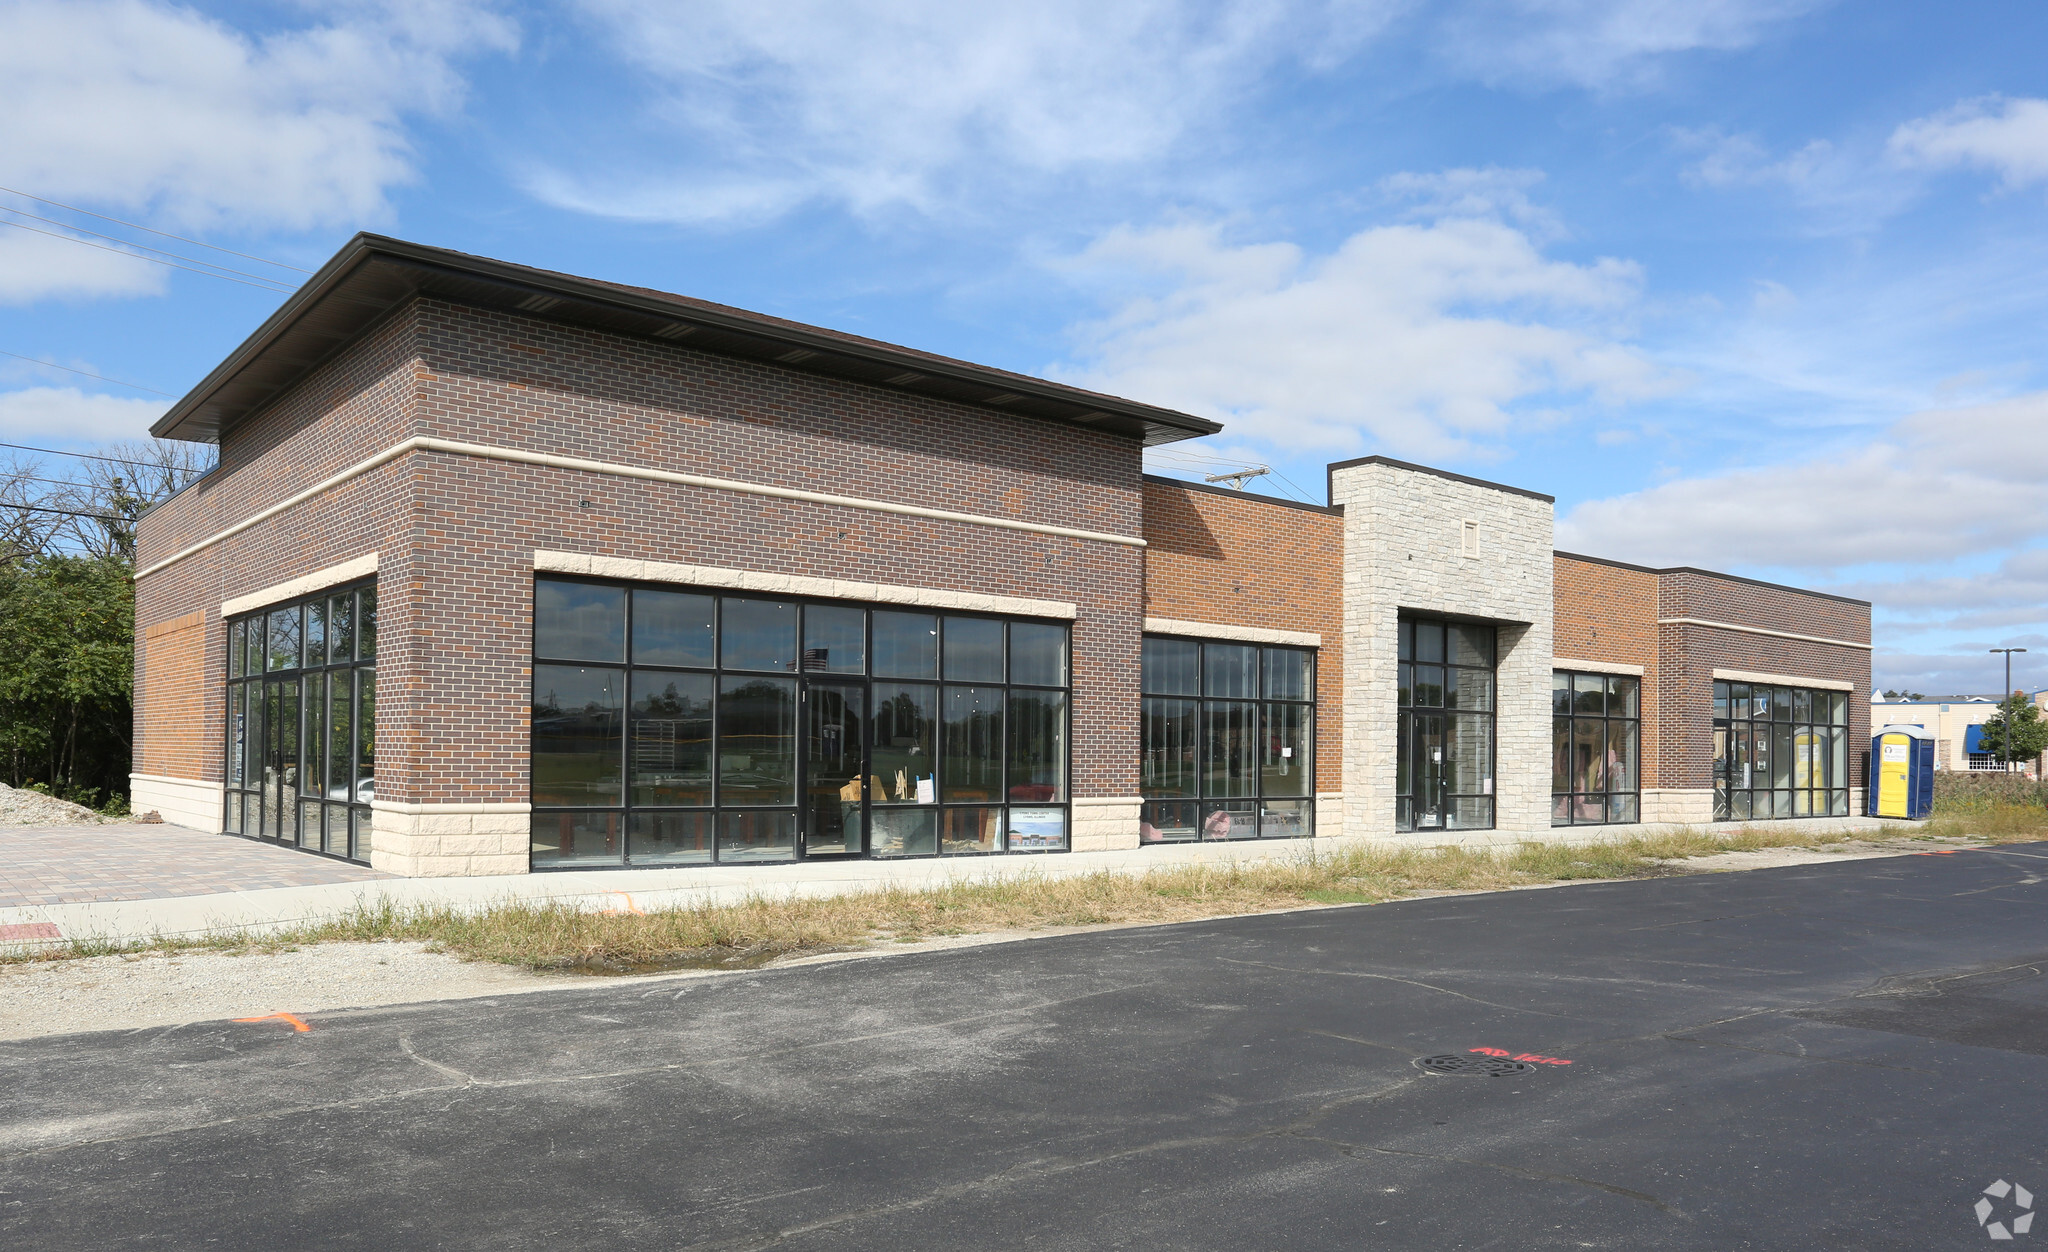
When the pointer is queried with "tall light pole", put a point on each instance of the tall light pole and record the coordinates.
(2005, 748)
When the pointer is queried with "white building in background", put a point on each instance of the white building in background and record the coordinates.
(1957, 723)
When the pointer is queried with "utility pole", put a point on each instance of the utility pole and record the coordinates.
(2005, 748)
(1237, 478)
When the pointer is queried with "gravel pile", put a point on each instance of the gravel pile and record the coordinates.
(33, 808)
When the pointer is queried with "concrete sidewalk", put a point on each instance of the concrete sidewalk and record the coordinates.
(279, 908)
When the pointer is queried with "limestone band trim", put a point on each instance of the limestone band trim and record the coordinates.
(291, 589)
(546, 561)
(1758, 630)
(1237, 634)
(194, 803)
(426, 443)
(1595, 667)
(1781, 680)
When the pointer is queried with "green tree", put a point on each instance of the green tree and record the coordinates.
(67, 610)
(2015, 732)
(67, 639)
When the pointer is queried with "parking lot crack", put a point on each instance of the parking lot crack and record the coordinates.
(1519, 1171)
(1795, 1056)
(446, 1071)
(1352, 973)
(1053, 1167)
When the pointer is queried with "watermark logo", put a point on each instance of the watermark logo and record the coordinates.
(2011, 1214)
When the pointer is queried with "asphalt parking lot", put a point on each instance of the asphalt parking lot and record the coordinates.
(1838, 1056)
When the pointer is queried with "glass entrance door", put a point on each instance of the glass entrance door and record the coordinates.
(1444, 776)
(1428, 770)
(835, 769)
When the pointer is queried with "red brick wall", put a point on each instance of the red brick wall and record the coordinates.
(1607, 611)
(1248, 560)
(174, 674)
(456, 534)
(1688, 656)
(345, 411)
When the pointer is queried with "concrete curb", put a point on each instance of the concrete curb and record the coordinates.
(626, 890)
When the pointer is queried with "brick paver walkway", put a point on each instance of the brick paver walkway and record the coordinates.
(76, 864)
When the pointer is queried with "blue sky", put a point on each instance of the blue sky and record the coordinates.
(1754, 286)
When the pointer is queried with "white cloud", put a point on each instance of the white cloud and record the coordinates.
(152, 109)
(1739, 160)
(2008, 136)
(1601, 43)
(1938, 486)
(1488, 192)
(1416, 338)
(34, 267)
(68, 415)
(758, 108)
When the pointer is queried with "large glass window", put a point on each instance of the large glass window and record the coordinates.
(1596, 741)
(675, 727)
(1780, 752)
(1444, 752)
(302, 721)
(1227, 740)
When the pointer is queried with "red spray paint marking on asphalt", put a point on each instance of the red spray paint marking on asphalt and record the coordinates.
(1530, 1057)
(297, 1025)
(31, 930)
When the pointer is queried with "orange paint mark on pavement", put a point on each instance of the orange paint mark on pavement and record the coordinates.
(267, 1017)
(630, 906)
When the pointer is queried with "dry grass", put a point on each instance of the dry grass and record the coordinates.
(549, 935)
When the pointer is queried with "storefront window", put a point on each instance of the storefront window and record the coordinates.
(301, 698)
(1780, 752)
(1227, 741)
(687, 727)
(1443, 775)
(1596, 741)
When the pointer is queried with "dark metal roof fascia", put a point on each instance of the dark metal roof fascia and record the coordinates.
(1758, 582)
(1159, 425)
(1330, 476)
(352, 254)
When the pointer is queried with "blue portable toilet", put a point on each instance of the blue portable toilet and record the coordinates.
(1901, 773)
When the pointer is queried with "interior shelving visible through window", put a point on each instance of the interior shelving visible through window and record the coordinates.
(1227, 741)
(1596, 734)
(302, 722)
(1780, 752)
(682, 727)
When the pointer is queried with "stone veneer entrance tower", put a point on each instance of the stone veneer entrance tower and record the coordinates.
(1422, 541)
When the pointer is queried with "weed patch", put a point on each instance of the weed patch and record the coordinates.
(552, 935)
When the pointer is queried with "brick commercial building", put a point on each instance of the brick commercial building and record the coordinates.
(504, 569)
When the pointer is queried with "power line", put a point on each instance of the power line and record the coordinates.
(88, 373)
(152, 230)
(86, 243)
(7, 478)
(1188, 461)
(37, 508)
(34, 217)
(90, 456)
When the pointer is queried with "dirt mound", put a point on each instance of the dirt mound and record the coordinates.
(33, 808)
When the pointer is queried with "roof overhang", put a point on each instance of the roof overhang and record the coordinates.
(373, 275)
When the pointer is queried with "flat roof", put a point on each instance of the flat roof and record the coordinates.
(1706, 573)
(374, 274)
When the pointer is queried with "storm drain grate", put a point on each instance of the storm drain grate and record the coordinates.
(1475, 1066)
